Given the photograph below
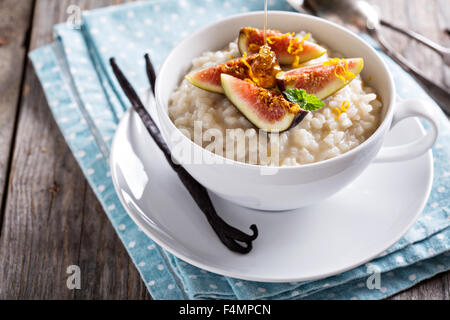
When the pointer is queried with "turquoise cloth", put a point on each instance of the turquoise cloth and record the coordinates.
(87, 105)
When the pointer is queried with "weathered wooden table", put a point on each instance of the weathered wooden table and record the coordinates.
(49, 216)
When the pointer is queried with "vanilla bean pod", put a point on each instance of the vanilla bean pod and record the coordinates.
(230, 236)
(151, 74)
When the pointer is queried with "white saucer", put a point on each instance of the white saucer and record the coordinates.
(347, 230)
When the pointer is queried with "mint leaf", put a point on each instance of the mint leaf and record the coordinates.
(296, 96)
(308, 102)
(313, 103)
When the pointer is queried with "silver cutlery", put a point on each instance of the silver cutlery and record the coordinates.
(365, 17)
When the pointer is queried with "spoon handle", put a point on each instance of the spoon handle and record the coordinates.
(440, 94)
(444, 52)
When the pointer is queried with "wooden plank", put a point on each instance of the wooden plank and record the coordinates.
(436, 288)
(419, 16)
(426, 17)
(104, 260)
(15, 19)
(442, 14)
(52, 219)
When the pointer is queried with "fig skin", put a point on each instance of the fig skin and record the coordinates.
(209, 78)
(245, 97)
(311, 50)
(317, 79)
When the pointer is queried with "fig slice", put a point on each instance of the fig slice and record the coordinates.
(267, 109)
(251, 39)
(323, 79)
(242, 68)
(209, 78)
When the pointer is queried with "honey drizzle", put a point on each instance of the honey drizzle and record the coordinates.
(265, 22)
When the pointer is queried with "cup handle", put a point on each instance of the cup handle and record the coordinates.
(407, 109)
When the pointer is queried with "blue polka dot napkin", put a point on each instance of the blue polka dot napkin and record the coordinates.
(87, 105)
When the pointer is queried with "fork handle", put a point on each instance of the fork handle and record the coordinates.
(443, 51)
(440, 94)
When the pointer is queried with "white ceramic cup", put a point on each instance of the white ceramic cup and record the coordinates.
(302, 185)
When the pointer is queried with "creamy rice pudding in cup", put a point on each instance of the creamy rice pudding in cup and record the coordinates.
(317, 157)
